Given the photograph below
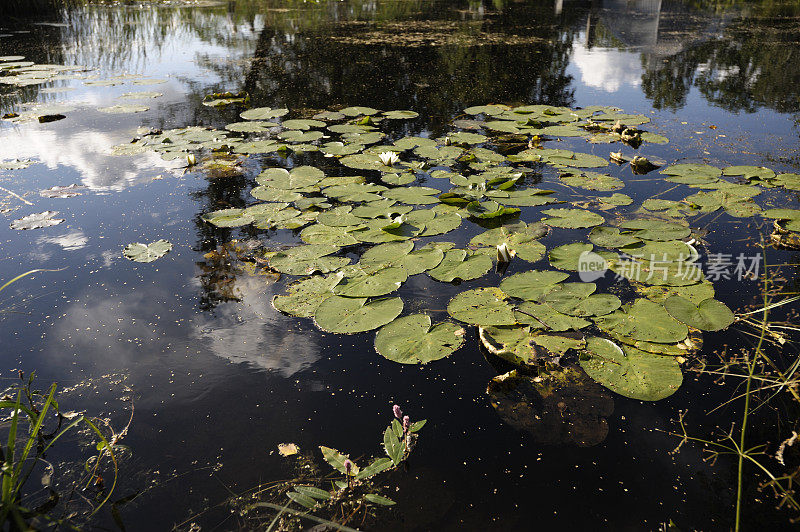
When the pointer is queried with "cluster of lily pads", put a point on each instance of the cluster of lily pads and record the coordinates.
(532, 318)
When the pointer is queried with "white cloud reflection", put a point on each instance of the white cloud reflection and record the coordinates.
(607, 69)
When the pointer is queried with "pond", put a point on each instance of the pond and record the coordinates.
(548, 228)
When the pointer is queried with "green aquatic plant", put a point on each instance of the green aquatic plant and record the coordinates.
(35, 423)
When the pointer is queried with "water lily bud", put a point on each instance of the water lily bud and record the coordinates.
(397, 412)
(191, 159)
(503, 253)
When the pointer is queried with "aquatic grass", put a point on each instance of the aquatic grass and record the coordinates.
(28, 409)
(768, 379)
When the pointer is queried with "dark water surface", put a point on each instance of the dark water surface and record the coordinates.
(219, 378)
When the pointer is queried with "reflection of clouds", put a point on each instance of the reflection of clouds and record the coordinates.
(70, 242)
(88, 152)
(133, 331)
(607, 69)
(251, 331)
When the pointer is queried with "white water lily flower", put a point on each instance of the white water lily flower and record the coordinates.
(389, 158)
(504, 254)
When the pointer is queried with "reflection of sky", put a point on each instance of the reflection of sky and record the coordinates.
(607, 69)
(251, 331)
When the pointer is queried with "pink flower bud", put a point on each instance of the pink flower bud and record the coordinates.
(406, 423)
(397, 412)
(348, 466)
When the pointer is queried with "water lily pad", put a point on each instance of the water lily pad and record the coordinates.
(274, 194)
(532, 285)
(36, 221)
(120, 109)
(644, 320)
(539, 316)
(147, 252)
(482, 306)
(521, 238)
(656, 230)
(458, 264)
(379, 283)
(300, 177)
(566, 257)
(358, 111)
(631, 372)
(263, 113)
(68, 191)
(579, 299)
(302, 124)
(400, 115)
(611, 237)
(326, 234)
(413, 195)
(572, 218)
(228, 218)
(348, 315)
(402, 254)
(256, 126)
(306, 260)
(591, 181)
(15, 164)
(490, 209)
(413, 340)
(709, 315)
(691, 174)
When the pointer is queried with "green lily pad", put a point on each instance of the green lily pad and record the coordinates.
(532, 285)
(139, 252)
(402, 254)
(400, 115)
(120, 109)
(413, 340)
(382, 282)
(482, 306)
(566, 257)
(274, 194)
(299, 177)
(358, 111)
(539, 316)
(644, 320)
(413, 195)
(656, 230)
(263, 113)
(578, 299)
(348, 315)
(326, 234)
(520, 238)
(459, 264)
(611, 237)
(591, 181)
(228, 218)
(306, 260)
(256, 126)
(631, 372)
(572, 218)
(709, 315)
(305, 296)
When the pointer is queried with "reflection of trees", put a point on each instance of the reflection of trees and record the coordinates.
(750, 66)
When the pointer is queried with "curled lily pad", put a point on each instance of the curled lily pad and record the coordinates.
(36, 221)
(708, 315)
(147, 252)
(631, 372)
(482, 306)
(413, 340)
(348, 315)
